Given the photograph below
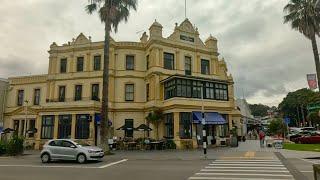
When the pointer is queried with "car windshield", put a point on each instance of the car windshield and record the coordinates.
(82, 143)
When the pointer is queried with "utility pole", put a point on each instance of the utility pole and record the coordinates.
(203, 122)
(185, 9)
(303, 118)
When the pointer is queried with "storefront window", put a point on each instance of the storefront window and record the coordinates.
(47, 127)
(129, 125)
(64, 129)
(185, 125)
(169, 126)
(82, 126)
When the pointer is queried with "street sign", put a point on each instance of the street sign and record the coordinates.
(287, 120)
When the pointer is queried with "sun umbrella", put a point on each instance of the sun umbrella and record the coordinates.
(7, 130)
(143, 127)
(124, 127)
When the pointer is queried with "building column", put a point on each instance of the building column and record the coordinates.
(73, 126)
(56, 127)
(38, 134)
(230, 122)
(91, 127)
(176, 127)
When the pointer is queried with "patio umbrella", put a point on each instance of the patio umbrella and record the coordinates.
(124, 127)
(144, 128)
(33, 130)
(7, 130)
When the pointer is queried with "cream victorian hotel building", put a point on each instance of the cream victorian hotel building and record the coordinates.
(157, 72)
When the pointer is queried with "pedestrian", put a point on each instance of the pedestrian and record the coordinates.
(261, 137)
(250, 134)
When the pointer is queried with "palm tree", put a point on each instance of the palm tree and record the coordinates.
(111, 13)
(304, 18)
(155, 117)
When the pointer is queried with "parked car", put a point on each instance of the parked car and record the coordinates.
(295, 137)
(66, 149)
(311, 139)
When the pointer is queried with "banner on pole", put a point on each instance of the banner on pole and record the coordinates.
(312, 81)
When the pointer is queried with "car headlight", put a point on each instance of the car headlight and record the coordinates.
(90, 151)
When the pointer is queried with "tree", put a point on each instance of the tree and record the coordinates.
(155, 117)
(277, 127)
(314, 118)
(111, 13)
(259, 109)
(295, 103)
(304, 18)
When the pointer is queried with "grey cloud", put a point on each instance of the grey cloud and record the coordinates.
(264, 55)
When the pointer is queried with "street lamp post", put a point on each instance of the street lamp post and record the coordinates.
(203, 122)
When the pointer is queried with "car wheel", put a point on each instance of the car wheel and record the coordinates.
(81, 158)
(45, 158)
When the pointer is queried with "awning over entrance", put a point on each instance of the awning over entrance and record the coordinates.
(210, 118)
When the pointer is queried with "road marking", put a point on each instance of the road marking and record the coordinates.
(241, 170)
(240, 174)
(237, 167)
(54, 166)
(249, 165)
(239, 162)
(248, 160)
(233, 178)
(114, 163)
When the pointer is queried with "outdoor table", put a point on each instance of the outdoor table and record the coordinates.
(132, 145)
(155, 145)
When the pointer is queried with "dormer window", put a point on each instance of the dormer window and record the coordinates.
(187, 38)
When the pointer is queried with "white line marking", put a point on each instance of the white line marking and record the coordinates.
(236, 167)
(247, 162)
(53, 166)
(240, 174)
(44, 166)
(307, 171)
(241, 170)
(249, 165)
(233, 178)
(114, 163)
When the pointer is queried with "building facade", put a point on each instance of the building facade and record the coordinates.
(178, 74)
(3, 91)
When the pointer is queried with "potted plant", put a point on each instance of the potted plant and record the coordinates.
(155, 117)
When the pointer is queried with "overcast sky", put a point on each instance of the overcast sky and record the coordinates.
(266, 58)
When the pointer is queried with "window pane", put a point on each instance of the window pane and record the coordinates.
(187, 65)
(47, 127)
(20, 97)
(129, 92)
(168, 61)
(130, 62)
(62, 93)
(79, 64)
(185, 125)
(78, 93)
(97, 63)
(63, 65)
(95, 92)
(204, 66)
(36, 97)
(129, 128)
(64, 127)
(82, 126)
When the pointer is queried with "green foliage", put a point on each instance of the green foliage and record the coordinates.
(155, 117)
(294, 101)
(170, 144)
(303, 17)
(259, 109)
(112, 12)
(277, 127)
(314, 117)
(15, 146)
(3, 147)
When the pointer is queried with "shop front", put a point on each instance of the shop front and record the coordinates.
(216, 127)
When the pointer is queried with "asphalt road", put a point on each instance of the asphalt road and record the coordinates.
(226, 163)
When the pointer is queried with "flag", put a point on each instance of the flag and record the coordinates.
(312, 81)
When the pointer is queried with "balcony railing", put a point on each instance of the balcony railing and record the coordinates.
(73, 99)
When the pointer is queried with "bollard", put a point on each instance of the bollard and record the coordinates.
(316, 171)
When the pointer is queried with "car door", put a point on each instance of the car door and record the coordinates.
(55, 148)
(69, 150)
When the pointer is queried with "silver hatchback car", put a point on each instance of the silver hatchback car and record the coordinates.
(66, 149)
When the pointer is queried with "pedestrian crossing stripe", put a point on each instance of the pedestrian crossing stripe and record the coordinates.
(247, 169)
